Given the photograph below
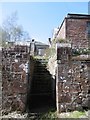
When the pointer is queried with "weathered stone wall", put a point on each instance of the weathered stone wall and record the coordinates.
(14, 79)
(72, 82)
(0, 81)
(30, 78)
(52, 65)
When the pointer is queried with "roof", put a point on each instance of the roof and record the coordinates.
(70, 15)
(27, 43)
(40, 43)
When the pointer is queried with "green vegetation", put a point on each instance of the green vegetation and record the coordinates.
(52, 115)
(77, 114)
(39, 57)
(75, 52)
(50, 52)
(84, 51)
(60, 40)
(74, 114)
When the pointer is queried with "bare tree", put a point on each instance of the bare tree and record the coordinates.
(11, 31)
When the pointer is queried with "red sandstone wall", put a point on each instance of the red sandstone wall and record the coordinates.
(76, 31)
(72, 82)
(14, 81)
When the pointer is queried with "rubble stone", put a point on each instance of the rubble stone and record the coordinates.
(72, 81)
(14, 81)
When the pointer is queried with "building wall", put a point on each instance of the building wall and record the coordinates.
(77, 32)
(40, 49)
(55, 30)
(62, 32)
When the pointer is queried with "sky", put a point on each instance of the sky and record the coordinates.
(40, 18)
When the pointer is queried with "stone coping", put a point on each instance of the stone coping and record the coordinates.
(81, 57)
(63, 45)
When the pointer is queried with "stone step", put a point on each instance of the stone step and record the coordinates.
(41, 60)
(41, 87)
(42, 79)
(38, 91)
(37, 81)
(40, 66)
(41, 69)
(43, 93)
(41, 75)
(38, 74)
(32, 116)
(44, 100)
(41, 83)
(46, 80)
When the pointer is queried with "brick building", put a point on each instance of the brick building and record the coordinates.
(75, 27)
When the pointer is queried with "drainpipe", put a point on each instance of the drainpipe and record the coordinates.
(28, 82)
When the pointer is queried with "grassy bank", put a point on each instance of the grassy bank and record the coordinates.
(75, 114)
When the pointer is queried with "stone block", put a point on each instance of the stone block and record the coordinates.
(61, 107)
(64, 98)
(18, 87)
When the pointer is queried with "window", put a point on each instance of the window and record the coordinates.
(88, 29)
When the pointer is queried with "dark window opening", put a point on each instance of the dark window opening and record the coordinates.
(88, 30)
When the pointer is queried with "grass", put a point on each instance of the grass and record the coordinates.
(74, 114)
(40, 57)
(52, 115)
(77, 114)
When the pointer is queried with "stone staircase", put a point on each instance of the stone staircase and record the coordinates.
(41, 88)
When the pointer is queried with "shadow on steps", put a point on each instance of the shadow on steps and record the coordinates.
(41, 94)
